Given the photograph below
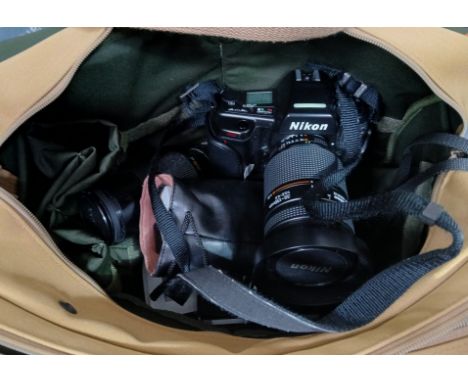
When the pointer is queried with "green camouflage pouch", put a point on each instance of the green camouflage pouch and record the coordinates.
(114, 266)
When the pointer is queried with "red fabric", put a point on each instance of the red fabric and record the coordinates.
(148, 245)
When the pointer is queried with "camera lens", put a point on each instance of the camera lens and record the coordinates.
(305, 262)
(94, 213)
(112, 212)
(110, 215)
(288, 175)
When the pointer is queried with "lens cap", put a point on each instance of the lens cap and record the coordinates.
(314, 266)
(306, 265)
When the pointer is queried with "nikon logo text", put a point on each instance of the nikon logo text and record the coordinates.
(311, 268)
(306, 126)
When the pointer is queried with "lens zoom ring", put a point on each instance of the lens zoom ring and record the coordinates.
(307, 161)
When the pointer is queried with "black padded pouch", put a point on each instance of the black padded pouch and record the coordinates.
(222, 222)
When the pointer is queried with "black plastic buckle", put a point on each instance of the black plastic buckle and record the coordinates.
(431, 213)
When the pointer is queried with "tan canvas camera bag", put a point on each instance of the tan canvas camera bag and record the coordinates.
(49, 304)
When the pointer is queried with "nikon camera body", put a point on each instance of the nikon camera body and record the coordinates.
(248, 126)
(288, 137)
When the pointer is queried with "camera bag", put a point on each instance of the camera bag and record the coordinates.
(50, 305)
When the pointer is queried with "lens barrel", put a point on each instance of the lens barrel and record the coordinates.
(289, 175)
(306, 263)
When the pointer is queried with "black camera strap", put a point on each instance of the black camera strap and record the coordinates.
(365, 304)
(375, 295)
(436, 139)
(354, 88)
(359, 105)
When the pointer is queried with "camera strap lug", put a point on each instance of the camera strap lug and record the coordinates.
(344, 79)
(248, 170)
(360, 90)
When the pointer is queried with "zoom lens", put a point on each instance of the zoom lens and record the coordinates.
(289, 175)
(305, 261)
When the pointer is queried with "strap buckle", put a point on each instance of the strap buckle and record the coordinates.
(346, 77)
(431, 213)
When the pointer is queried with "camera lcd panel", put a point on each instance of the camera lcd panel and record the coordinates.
(259, 98)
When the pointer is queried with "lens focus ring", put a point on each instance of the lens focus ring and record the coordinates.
(307, 161)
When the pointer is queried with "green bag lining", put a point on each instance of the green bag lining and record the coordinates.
(135, 75)
(428, 115)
